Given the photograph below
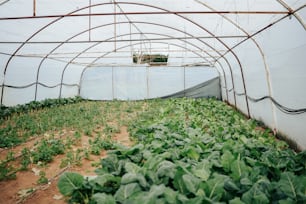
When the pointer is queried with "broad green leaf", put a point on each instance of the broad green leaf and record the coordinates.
(153, 162)
(191, 183)
(135, 157)
(110, 164)
(69, 182)
(287, 201)
(105, 183)
(135, 149)
(214, 187)
(202, 170)
(125, 191)
(258, 193)
(170, 195)
(151, 177)
(141, 198)
(102, 179)
(293, 186)
(196, 200)
(150, 197)
(182, 198)
(178, 182)
(132, 178)
(102, 198)
(239, 168)
(166, 168)
(246, 182)
(236, 201)
(227, 159)
(157, 190)
(244, 139)
(192, 153)
(132, 167)
(254, 195)
(229, 185)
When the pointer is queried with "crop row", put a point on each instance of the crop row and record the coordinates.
(58, 129)
(194, 151)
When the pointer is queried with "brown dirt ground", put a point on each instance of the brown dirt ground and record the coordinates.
(24, 189)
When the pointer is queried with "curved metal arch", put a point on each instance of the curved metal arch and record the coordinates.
(256, 33)
(292, 12)
(75, 12)
(98, 58)
(39, 67)
(135, 22)
(225, 82)
(210, 33)
(129, 45)
(151, 33)
(146, 5)
(259, 48)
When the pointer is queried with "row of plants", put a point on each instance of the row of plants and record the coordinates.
(59, 129)
(194, 151)
(44, 151)
(6, 112)
(18, 123)
(84, 117)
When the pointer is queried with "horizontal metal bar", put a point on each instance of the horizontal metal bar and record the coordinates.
(123, 40)
(67, 54)
(146, 13)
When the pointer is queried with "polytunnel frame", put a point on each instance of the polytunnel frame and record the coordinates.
(112, 51)
(274, 103)
(125, 46)
(91, 46)
(98, 43)
(267, 71)
(164, 11)
(177, 13)
(130, 45)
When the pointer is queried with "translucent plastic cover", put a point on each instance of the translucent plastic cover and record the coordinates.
(65, 48)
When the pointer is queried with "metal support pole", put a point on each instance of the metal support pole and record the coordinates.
(34, 7)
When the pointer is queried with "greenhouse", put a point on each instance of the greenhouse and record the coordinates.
(118, 101)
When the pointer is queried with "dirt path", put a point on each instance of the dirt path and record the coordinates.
(24, 189)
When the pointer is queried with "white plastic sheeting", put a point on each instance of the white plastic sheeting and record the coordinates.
(50, 49)
(142, 82)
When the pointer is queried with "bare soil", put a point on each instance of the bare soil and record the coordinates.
(24, 189)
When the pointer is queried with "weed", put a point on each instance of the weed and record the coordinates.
(86, 154)
(95, 149)
(7, 172)
(72, 158)
(25, 159)
(10, 156)
(47, 149)
(42, 178)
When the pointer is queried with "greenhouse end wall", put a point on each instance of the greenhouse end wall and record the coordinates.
(143, 82)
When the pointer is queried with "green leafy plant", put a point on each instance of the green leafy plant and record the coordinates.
(72, 158)
(7, 172)
(197, 151)
(25, 159)
(42, 178)
(10, 156)
(47, 149)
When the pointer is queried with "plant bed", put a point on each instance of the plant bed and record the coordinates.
(194, 151)
(30, 167)
(179, 151)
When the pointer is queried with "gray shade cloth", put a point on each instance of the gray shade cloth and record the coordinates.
(210, 88)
